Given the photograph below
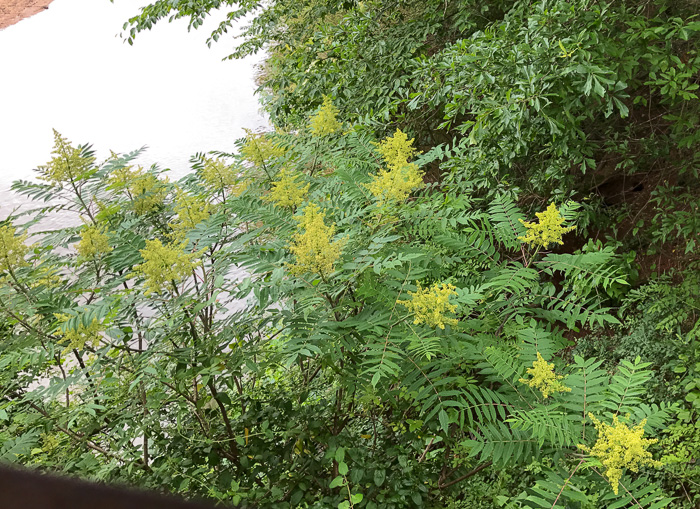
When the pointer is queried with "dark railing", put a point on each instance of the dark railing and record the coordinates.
(24, 489)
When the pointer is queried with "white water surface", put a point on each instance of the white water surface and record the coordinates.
(67, 68)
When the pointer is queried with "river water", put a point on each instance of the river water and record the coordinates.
(67, 68)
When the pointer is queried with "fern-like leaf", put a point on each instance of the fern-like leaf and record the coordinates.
(504, 214)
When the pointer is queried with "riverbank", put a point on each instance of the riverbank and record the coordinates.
(13, 11)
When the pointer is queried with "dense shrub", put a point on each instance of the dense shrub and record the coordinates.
(439, 281)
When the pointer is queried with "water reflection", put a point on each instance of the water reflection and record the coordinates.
(66, 68)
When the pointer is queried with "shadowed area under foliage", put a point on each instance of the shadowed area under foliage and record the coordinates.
(22, 489)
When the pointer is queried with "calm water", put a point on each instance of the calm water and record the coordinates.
(67, 68)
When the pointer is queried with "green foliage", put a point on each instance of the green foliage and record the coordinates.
(244, 388)
(339, 316)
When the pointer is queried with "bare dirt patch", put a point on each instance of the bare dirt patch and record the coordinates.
(12, 11)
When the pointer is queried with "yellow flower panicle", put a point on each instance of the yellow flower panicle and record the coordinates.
(394, 184)
(312, 245)
(49, 442)
(217, 175)
(94, 242)
(191, 210)
(431, 304)
(67, 165)
(12, 249)
(619, 447)
(544, 378)
(146, 191)
(325, 121)
(121, 178)
(397, 150)
(164, 265)
(78, 337)
(259, 148)
(46, 275)
(239, 188)
(286, 192)
(548, 231)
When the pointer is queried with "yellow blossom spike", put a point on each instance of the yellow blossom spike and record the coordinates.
(548, 231)
(396, 150)
(191, 210)
(121, 178)
(394, 184)
(78, 337)
(217, 175)
(286, 192)
(325, 121)
(619, 447)
(67, 165)
(46, 275)
(164, 265)
(148, 193)
(49, 442)
(312, 245)
(239, 188)
(94, 242)
(259, 148)
(544, 378)
(12, 249)
(145, 190)
(431, 304)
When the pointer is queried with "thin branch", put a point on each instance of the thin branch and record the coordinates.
(425, 451)
(467, 475)
(567, 482)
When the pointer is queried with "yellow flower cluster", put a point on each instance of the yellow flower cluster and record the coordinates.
(397, 150)
(12, 249)
(164, 265)
(619, 447)
(147, 191)
(286, 192)
(544, 378)
(312, 245)
(191, 210)
(121, 178)
(218, 175)
(548, 231)
(78, 337)
(325, 121)
(94, 242)
(49, 442)
(394, 184)
(431, 304)
(46, 275)
(239, 187)
(67, 165)
(258, 148)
